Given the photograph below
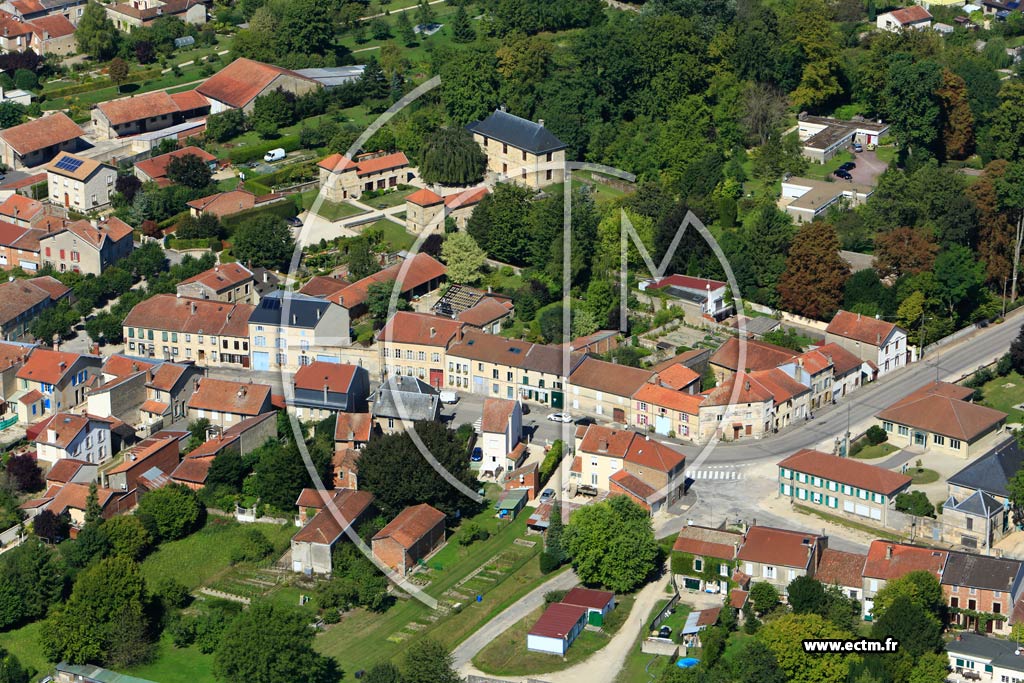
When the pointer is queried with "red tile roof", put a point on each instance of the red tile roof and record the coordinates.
(411, 524)
(353, 426)
(486, 312)
(685, 281)
(314, 498)
(588, 597)
(677, 376)
(20, 207)
(496, 414)
(558, 621)
(241, 81)
(406, 327)
(190, 100)
(194, 316)
(147, 105)
(412, 273)
(146, 449)
(193, 470)
(609, 378)
(738, 598)
(322, 286)
(221, 277)
(842, 360)
(66, 426)
(76, 496)
(337, 377)
(156, 167)
(840, 568)
(153, 407)
(707, 542)
(12, 354)
(888, 560)
(466, 198)
(18, 297)
(777, 546)
(56, 25)
(46, 131)
(64, 470)
(910, 15)
(936, 408)
(325, 527)
(860, 328)
(337, 163)
(632, 484)
(760, 355)
(167, 375)
(224, 396)
(424, 197)
(47, 366)
(671, 399)
(632, 447)
(846, 471)
(123, 366)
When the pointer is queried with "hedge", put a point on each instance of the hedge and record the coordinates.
(242, 155)
(98, 84)
(198, 243)
(281, 209)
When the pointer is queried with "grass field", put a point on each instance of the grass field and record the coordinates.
(205, 555)
(23, 643)
(389, 199)
(922, 475)
(1003, 393)
(176, 665)
(508, 656)
(842, 521)
(394, 237)
(877, 451)
(824, 171)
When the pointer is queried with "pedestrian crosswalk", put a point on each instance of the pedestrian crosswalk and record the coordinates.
(720, 474)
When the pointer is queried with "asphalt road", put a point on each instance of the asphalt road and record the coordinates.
(980, 348)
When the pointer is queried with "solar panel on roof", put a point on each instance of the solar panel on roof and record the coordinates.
(70, 164)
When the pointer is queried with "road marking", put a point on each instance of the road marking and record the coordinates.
(711, 473)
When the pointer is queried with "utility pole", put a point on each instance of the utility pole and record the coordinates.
(1016, 253)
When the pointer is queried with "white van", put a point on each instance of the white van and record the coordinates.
(449, 397)
(274, 155)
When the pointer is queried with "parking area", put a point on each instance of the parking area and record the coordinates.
(869, 167)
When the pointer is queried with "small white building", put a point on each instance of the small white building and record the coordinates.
(914, 17)
(79, 183)
(806, 200)
(67, 435)
(985, 659)
(501, 428)
(556, 629)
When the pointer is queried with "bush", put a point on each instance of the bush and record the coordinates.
(171, 592)
(915, 503)
(471, 532)
(548, 563)
(253, 547)
(551, 460)
(1005, 365)
(876, 435)
(552, 597)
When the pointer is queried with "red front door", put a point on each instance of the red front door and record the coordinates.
(437, 378)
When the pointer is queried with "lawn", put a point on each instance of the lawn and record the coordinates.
(508, 656)
(1003, 393)
(176, 665)
(388, 199)
(203, 556)
(877, 451)
(335, 211)
(394, 237)
(640, 667)
(363, 639)
(23, 643)
(922, 475)
(824, 171)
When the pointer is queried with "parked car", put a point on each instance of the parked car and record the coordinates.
(845, 175)
(587, 490)
(665, 632)
(294, 221)
(848, 166)
(274, 155)
(560, 417)
(547, 495)
(478, 455)
(584, 421)
(449, 397)
(857, 147)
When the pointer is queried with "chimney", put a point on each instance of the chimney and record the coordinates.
(241, 392)
(317, 313)
(433, 332)
(51, 435)
(540, 122)
(888, 552)
(266, 275)
(295, 319)
(95, 223)
(602, 444)
(62, 365)
(325, 388)
(746, 385)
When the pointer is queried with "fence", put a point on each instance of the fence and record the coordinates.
(665, 613)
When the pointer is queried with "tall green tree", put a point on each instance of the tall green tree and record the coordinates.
(1007, 127)
(189, 170)
(268, 644)
(816, 36)
(426, 661)
(362, 262)
(812, 284)
(785, 635)
(171, 512)
(462, 30)
(95, 34)
(917, 630)
(263, 241)
(957, 118)
(912, 103)
(612, 544)
(450, 156)
(464, 258)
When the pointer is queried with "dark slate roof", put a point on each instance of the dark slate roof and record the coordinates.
(999, 652)
(518, 132)
(979, 503)
(419, 400)
(978, 571)
(306, 311)
(993, 470)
